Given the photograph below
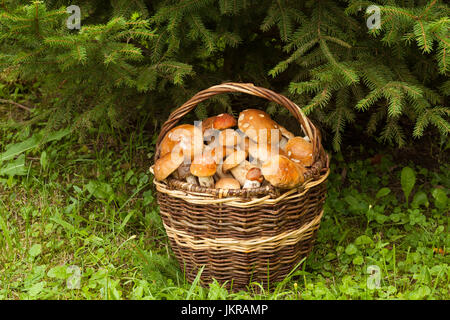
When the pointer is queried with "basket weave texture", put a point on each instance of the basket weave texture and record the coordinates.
(246, 235)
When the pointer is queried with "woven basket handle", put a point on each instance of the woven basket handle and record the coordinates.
(249, 88)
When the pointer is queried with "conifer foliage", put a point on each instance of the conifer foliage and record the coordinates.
(148, 56)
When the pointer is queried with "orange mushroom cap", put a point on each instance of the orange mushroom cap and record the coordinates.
(167, 164)
(186, 137)
(219, 122)
(300, 151)
(203, 166)
(227, 183)
(282, 172)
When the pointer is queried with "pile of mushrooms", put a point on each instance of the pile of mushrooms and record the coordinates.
(216, 154)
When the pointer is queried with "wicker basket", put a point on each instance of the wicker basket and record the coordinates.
(240, 236)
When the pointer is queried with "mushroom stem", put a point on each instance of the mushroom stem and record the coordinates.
(253, 178)
(191, 179)
(240, 171)
(283, 143)
(184, 173)
(249, 184)
(207, 182)
(220, 172)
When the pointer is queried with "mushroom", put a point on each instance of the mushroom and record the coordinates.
(253, 178)
(220, 174)
(218, 152)
(244, 144)
(219, 122)
(204, 167)
(184, 173)
(282, 144)
(240, 171)
(286, 133)
(212, 126)
(229, 138)
(233, 160)
(237, 165)
(186, 137)
(258, 126)
(300, 151)
(167, 164)
(210, 136)
(227, 183)
(263, 152)
(282, 172)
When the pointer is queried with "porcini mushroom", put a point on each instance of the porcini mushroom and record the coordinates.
(204, 167)
(262, 152)
(282, 144)
(212, 126)
(233, 160)
(220, 174)
(240, 171)
(210, 136)
(282, 172)
(186, 137)
(286, 135)
(300, 151)
(253, 178)
(227, 183)
(229, 138)
(184, 173)
(167, 164)
(258, 126)
(218, 152)
(219, 122)
(244, 144)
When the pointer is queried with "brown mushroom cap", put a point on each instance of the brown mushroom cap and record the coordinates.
(203, 166)
(219, 122)
(186, 137)
(167, 164)
(224, 121)
(258, 126)
(282, 172)
(229, 138)
(300, 151)
(227, 183)
(233, 160)
(254, 174)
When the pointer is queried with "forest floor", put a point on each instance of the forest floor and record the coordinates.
(80, 221)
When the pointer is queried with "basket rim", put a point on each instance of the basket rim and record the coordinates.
(205, 198)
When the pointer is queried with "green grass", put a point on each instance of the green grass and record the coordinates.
(73, 211)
